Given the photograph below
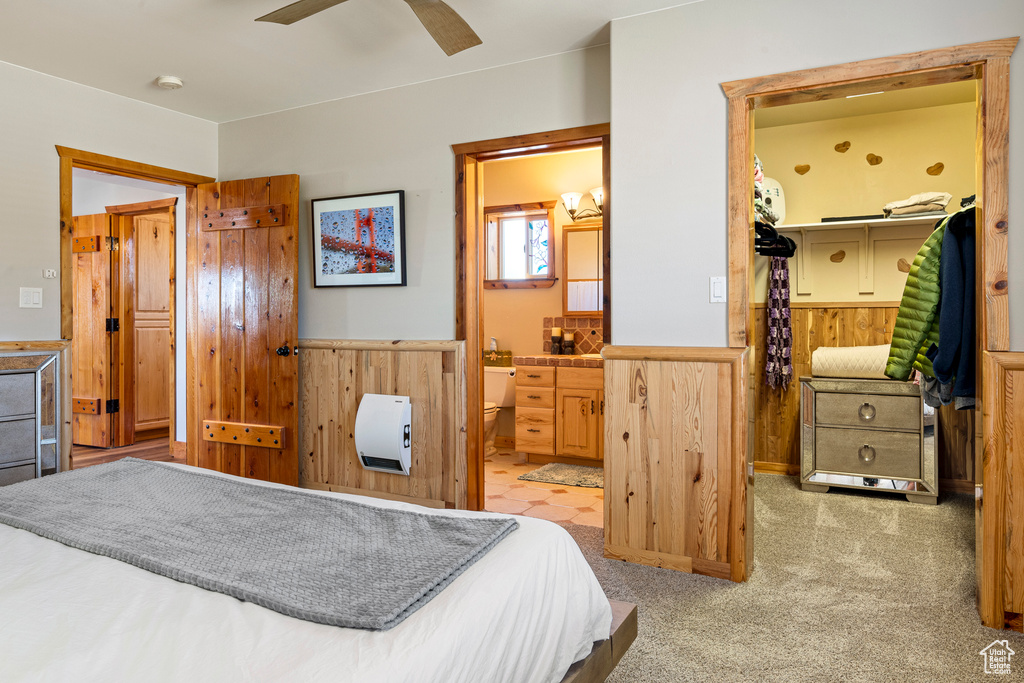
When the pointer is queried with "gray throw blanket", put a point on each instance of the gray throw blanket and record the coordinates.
(316, 558)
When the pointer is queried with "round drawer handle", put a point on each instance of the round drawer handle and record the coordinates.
(866, 412)
(866, 453)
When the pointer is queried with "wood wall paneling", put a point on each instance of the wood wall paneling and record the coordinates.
(676, 460)
(334, 377)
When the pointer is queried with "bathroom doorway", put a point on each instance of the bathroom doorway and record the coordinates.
(513, 229)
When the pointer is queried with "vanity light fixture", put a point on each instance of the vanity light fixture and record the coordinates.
(571, 203)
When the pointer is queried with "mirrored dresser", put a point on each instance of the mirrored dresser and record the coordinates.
(29, 415)
(865, 434)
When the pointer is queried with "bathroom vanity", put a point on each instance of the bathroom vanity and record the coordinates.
(560, 408)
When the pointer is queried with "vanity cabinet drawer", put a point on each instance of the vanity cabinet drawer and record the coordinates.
(535, 397)
(868, 411)
(535, 430)
(534, 376)
(17, 441)
(868, 452)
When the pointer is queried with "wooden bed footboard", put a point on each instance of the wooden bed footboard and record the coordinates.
(605, 655)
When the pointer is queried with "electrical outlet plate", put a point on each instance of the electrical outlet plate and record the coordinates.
(50, 273)
(30, 297)
(717, 293)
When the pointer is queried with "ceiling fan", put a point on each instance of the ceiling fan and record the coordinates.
(444, 25)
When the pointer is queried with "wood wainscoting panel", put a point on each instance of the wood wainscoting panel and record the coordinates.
(776, 427)
(334, 375)
(675, 460)
(777, 412)
(1000, 505)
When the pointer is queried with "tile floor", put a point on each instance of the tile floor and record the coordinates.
(554, 502)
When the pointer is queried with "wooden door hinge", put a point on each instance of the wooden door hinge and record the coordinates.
(113, 325)
(113, 406)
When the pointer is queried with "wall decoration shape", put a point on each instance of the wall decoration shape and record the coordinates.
(903, 266)
(874, 159)
(843, 147)
(359, 240)
(935, 169)
(802, 168)
(837, 257)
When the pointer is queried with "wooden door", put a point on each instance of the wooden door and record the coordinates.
(91, 372)
(246, 388)
(144, 354)
(578, 421)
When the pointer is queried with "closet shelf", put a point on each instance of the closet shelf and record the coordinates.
(900, 221)
(806, 234)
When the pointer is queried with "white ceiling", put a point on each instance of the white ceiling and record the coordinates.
(234, 67)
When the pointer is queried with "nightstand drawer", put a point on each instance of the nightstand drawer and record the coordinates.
(535, 430)
(866, 452)
(535, 397)
(535, 376)
(17, 441)
(869, 411)
(17, 394)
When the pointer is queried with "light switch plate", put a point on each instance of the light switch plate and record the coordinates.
(717, 294)
(30, 297)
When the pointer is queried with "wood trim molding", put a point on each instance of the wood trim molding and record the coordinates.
(533, 283)
(872, 69)
(741, 226)
(535, 143)
(142, 207)
(763, 467)
(373, 345)
(692, 354)
(135, 169)
(529, 206)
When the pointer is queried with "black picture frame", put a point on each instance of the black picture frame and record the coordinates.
(359, 240)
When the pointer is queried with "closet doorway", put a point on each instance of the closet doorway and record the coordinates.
(472, 263)
(987, 65)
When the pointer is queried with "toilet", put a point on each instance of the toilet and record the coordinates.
(499, 392)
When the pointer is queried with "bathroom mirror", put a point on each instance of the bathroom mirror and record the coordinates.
(582, 284)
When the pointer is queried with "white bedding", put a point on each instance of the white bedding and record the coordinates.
(522, 613)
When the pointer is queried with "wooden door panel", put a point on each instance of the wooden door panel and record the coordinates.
(152, 407)
(246, 301)
(577, 421)
(90, 344)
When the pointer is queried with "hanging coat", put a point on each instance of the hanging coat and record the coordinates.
(953, 358)
(916, 323)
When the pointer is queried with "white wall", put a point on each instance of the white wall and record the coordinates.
(669, 142)
(91, 193)
(401, 139)
(39, 112)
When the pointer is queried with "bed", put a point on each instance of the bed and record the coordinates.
(525, 611)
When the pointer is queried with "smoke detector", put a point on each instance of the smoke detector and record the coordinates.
(169, 82)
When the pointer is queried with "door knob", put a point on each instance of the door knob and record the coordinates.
(284, 351)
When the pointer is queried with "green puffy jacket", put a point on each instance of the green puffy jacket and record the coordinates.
(917, 324)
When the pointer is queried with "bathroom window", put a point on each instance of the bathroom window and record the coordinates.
(519, 246)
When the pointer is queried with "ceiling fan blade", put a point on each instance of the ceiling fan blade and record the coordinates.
(299, 10)
(445, 26)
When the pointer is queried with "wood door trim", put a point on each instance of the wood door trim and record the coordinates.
(537, 143)
(991, 67)
(692, 354)
(70, 159)
(468, 285)
(143, 207)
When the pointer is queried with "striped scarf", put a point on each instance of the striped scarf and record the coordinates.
(778, 369)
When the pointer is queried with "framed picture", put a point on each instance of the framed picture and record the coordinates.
(359, 240)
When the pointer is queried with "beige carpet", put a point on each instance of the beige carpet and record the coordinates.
(845, 587)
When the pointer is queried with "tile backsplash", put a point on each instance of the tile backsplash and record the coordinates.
(589, 333)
